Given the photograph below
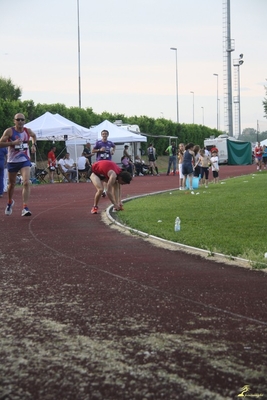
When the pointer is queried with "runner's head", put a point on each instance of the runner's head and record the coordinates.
(124, 178)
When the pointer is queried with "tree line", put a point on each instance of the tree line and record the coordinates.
(158, 130)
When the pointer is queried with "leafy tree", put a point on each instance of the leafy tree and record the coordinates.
(8, 91)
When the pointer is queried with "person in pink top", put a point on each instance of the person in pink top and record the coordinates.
(109, 172)
(258, 155)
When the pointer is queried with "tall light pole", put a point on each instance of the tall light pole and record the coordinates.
(217, 100)
(79, 55)
(202, 116)
(237, 63)
(176, 70)
(193, 106)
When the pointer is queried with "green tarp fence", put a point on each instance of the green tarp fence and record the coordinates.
(239, 153)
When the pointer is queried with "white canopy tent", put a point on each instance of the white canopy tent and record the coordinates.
(117, 134)
(55, 127)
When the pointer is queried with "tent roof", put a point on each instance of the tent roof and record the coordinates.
(117, 134)
(55, 127)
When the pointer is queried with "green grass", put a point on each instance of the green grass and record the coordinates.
(229, 217)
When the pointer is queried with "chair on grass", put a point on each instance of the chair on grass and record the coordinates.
(40, 175)
(83, 174)
(65, 175)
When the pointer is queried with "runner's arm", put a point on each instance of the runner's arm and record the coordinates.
(6, 136)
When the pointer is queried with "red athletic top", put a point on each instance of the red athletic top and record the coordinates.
(51, 156)
(258, 151)
(101, 168)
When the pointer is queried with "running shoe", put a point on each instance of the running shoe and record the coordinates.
(94, 210)
(26, 212)
(8, 210)
(103, 194)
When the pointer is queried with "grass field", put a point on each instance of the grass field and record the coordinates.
(229, 217)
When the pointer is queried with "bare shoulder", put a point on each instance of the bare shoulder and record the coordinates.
(7, 134)
(31, 133)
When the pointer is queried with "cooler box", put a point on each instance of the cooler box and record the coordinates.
(195, 183)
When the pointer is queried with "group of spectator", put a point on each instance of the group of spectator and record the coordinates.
(68, 167)
(138, 167)
(260, 153)
(196, 162)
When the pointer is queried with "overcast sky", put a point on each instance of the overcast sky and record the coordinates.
(127, 66)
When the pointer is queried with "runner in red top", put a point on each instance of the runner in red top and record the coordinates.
(110, 172)
(258, 155)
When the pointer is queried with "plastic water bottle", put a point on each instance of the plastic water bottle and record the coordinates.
(177, 225)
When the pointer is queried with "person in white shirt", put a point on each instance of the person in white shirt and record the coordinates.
(215, 166)
(68, 166)
(83, 165)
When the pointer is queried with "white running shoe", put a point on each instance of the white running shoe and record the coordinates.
(26, 212)
(8, 210)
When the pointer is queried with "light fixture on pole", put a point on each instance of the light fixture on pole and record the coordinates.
(202, 116)
(79, 55)
(237, 63)
(176, 71)
(193, 106)
(217, 100)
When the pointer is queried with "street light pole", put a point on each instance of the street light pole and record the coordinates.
(193, 106)
(237, 63)
(79, 55)
(176, 71)
(217, 100)
(202, 116)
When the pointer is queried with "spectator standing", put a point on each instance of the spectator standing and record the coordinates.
(114, 176)
(197, 172)
(258, 155)
(206, 151)
(151, 153)
(125, 152)
(205, 163)
(3, 155)
(181, 150)
(17, 140)
(52, 163)
(187, 166)
(88, 153)
(214, 149)
(215, 166)
(172, 151)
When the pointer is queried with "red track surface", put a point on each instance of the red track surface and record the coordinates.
(90, 313)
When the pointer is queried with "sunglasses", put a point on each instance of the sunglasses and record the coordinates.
(19, 119)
